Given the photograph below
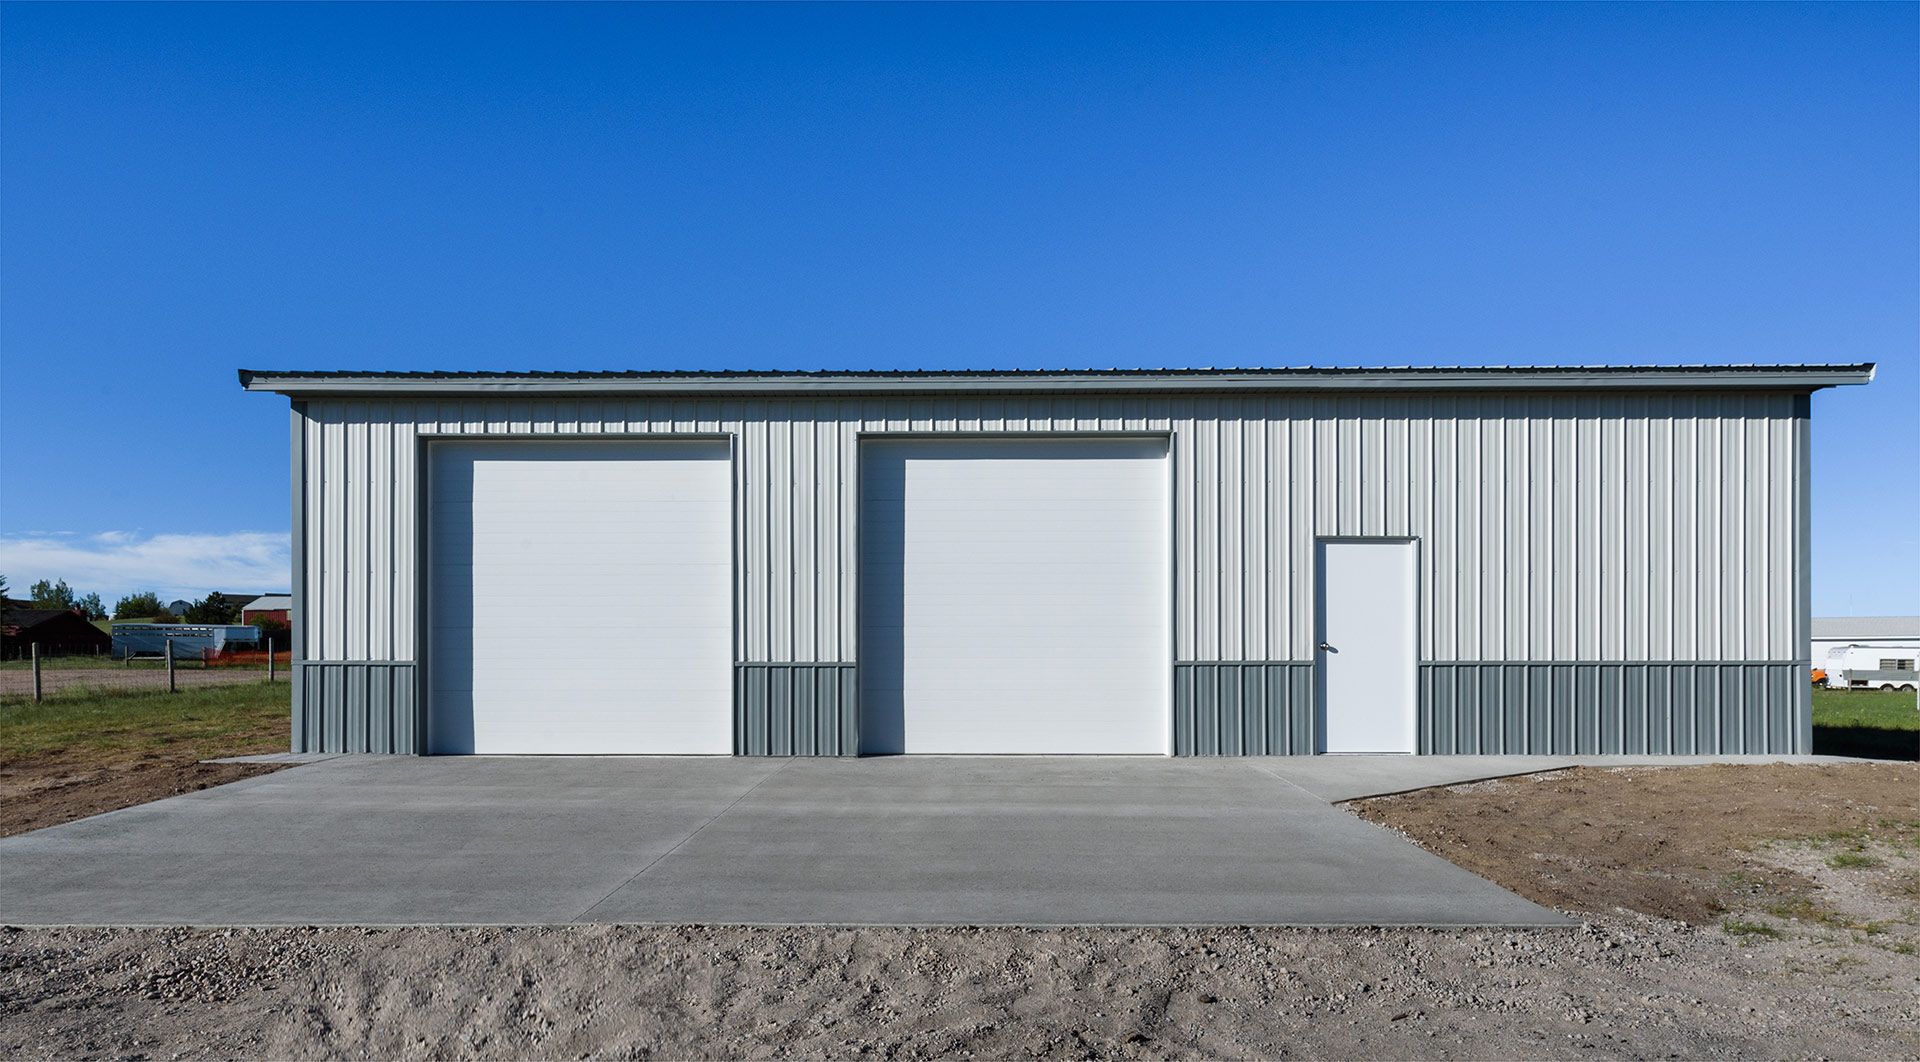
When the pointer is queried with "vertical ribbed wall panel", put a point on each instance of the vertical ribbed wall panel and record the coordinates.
(796, 710)
(1616, 527)
(1613, 708)
(1565, 527)
(356, 707)
(1553, 527)
(1243, 709)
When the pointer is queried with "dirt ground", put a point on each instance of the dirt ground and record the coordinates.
(1692, 844)
(46, 790)
(1795, 887)
(82, 754)
(1621, 988)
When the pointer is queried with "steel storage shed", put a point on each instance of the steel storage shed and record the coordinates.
(1200, 562)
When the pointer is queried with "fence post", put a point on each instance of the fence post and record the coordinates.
(36, 672)
(269, 658)
(171, 688)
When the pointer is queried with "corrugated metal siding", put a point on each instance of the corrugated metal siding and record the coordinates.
(356, 707)
(1606, 708)
(1555, 526)
(796, 710)
(1243, 709)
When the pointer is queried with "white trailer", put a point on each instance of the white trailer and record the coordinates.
(1872, 667)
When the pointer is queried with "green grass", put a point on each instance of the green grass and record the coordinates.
(1881, 724)
(203, 721)
(1880, 709)
(1736, 928)
(1845, 860)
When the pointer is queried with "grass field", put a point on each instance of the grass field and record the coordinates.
(1878, 723)
(1883, 709)
(84, 752)
(195, 723)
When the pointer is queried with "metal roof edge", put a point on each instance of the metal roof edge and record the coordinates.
(1440, 378)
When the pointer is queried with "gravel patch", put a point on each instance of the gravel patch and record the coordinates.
(1624, 987)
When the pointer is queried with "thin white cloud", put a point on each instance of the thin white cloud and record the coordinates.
(113, 563)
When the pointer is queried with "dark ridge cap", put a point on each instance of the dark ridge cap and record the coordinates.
(1343, 370)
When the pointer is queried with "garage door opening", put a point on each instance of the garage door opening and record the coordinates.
(1015, 596)
(580, 597)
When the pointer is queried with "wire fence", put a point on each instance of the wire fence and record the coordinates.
(39, 676)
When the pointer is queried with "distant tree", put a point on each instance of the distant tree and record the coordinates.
(138, 606)
(91, 607)
(53, 595)
(269, 627)
(3, 586)
(212, 609)
(165, 616)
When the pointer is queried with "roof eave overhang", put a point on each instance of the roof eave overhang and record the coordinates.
(1797, 378)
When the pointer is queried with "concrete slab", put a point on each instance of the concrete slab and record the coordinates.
(375, 840)
(399, 840)
(1084, 840)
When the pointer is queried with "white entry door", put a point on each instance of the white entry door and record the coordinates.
(580, 597)
(1368, 654)
(1014, 596)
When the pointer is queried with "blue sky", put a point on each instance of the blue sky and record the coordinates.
(186, 190)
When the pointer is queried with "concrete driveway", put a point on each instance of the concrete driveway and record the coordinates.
(923, 840)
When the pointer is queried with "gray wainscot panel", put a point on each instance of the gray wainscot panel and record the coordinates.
(1694, 707)
(1258, 708)
(795, 710)
(356, 706)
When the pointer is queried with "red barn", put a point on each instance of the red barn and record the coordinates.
(268, 606)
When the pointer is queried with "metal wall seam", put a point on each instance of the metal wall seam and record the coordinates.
(1802, 485)
(296, 615)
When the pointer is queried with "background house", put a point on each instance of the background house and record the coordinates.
(58, 632)
(1832, 634)
(277, 607)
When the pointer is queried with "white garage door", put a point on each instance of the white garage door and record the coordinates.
(580, 597)
(1014, 596)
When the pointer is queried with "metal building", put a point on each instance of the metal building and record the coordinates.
(1193, 562)
(1834, 635)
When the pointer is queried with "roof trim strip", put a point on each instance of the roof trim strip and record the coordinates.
(1621, 377)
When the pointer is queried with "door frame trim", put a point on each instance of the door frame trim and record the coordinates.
(1319, 630)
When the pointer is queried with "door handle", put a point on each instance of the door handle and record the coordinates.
(1325, 648)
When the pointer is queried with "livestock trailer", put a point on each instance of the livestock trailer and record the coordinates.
(190, 640)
